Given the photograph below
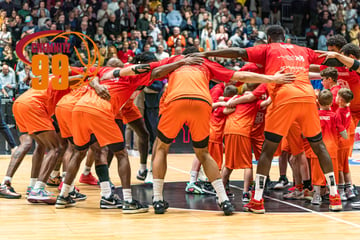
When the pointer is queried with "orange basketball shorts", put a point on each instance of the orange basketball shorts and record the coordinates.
(280, 118)
(84, 124)
(237, 152)
(31, 118)
(216, 151)
(64, 118)
(130, 113)
(194, 113)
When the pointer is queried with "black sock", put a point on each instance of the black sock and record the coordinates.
(102, 172)
(307, 184)
(283, 177)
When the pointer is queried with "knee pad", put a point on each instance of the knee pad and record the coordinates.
(273, 137)
(316, 138)
(116, 147)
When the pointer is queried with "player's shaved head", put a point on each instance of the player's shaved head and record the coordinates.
(189, 50)
(145, 57)
(325, 98)
(276, 33)
(114, 62)
(230, 91)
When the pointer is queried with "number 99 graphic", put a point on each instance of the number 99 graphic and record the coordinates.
(59, 67)
(58, 64)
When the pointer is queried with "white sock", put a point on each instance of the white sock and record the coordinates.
(54, 174)
(32, 182)
(330, 180)
(65, 190)
(127, 194)
(317, 189)
(72, 186)
(105, 189)
(158, 185)
(193, 176)
(259, 186)
(220, 190)
(63, 176)
(142, 167)
(39, 185)
(87, 170)
(6, 178)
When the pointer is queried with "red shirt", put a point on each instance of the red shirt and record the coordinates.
(352, 79)
(334, 90)
(330, 127)
(217, 120)
(344, 116)
(124, 56)
(290, 58)
(259, 124)
(241, 121)
(252, 67)
(120, 90)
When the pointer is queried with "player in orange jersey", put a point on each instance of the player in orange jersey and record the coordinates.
(32, 112)
(94, 116)
(331, 126)
(188, 93)
(291, 102)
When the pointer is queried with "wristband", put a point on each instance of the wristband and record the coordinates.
(116, 73)
(355, 66)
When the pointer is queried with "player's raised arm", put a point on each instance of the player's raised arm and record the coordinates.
(233, 52)
(349, 62)
(164, 70)
(250, 77)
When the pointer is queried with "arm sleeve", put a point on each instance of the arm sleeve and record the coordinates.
(260, 90)
(257, 54)
(314, 57)
(340, 127)
(219, 72)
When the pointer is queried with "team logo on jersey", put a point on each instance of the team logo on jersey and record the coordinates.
(50, 51)
(293, 58)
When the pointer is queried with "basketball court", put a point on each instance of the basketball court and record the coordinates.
(189, 216)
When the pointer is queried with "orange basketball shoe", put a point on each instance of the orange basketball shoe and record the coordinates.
(255, 206)
(335, 203)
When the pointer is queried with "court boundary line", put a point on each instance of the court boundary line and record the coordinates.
(290, 204)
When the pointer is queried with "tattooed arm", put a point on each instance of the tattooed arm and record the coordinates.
(127, 71)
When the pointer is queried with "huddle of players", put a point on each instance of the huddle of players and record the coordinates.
(91, 113)
(86, 118)
(237, 123)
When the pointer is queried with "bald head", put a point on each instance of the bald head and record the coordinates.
(114, 62)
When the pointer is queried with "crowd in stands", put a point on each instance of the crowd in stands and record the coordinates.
(126, 28)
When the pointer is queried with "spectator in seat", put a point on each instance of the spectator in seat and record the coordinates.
(161, 54)
(112, 28)
(173, 40)
(173, 17)
(188, 24)
(125, 52)
(24, 77)
(7, 81)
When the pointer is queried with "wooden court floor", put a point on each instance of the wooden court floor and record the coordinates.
(20, 220)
